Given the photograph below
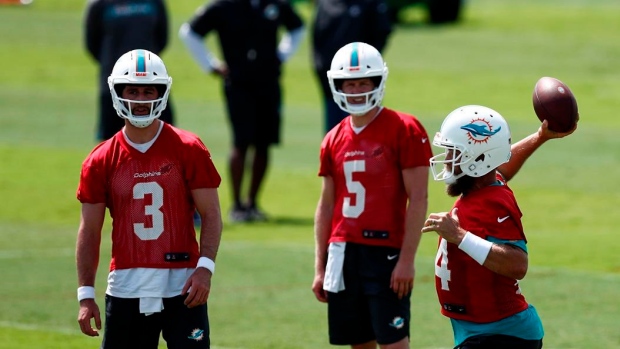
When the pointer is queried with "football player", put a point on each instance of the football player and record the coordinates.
(373, 202)
(151, 177)
(482, 251)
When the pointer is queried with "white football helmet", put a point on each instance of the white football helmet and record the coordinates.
(357, 60)
(475, 138)
(139, 67)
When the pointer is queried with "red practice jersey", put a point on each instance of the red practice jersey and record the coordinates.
(370, 197)
(467, 290)
(149, 197)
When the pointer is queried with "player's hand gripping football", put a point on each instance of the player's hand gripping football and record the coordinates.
(545, 133)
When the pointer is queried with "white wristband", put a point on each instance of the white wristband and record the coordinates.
(206, 262)
(475, 246)
(85, 292)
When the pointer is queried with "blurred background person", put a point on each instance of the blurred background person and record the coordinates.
(337, 23)
(113, 27)
(250, 71)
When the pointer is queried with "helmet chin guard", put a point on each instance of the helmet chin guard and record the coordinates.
(139, 67)
(357, 60)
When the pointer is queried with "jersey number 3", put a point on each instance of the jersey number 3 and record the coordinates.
(354, 187)
(153, 210)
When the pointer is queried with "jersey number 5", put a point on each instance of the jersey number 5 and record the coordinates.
(354, 187)
(157, 194)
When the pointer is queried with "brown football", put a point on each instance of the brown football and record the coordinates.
(553, 101)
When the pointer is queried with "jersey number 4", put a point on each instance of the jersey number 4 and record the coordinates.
(441, 270)
(153, 210)
(355, 188)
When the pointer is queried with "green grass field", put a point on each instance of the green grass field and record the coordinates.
(261, 295)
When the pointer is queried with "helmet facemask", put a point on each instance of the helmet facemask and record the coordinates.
(445, 165)
(124, 106)
(372, 98)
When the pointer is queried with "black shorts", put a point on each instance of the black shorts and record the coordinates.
(181, 327)
(499, 341)
(254, 111)
(368, 309)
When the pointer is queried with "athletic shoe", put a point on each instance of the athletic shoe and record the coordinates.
(256, 215)
(238, 215)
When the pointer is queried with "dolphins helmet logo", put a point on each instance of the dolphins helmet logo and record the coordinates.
(479, 131)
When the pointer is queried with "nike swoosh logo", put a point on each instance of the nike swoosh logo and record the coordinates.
(424, 140)
(499, 220)
(392, 257)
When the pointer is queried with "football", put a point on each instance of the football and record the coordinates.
(553, 101)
